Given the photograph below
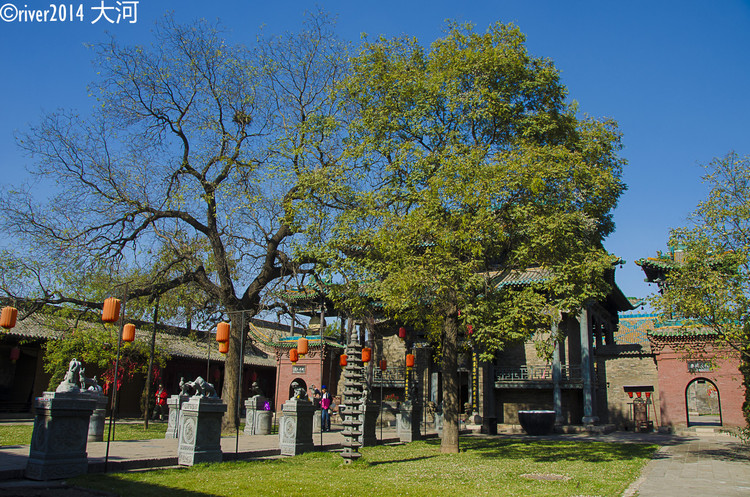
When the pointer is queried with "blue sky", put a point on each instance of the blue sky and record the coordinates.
(675, 75)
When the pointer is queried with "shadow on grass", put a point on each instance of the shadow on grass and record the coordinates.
(127, 488)
(396, 461)
(554, 450)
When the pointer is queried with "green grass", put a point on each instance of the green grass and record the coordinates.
(491, 467)
(21, 434)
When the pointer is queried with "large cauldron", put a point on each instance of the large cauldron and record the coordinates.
(537, 422)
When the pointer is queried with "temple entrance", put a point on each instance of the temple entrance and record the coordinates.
(703, 403)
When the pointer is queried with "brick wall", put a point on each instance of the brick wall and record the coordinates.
(674, 378)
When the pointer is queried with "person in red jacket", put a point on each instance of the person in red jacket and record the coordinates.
(160, 409)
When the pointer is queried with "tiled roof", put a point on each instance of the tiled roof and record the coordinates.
(634, 329)
(661, 263)
(522, 277)
(43, 327)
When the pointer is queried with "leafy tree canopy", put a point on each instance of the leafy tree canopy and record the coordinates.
(476, 166)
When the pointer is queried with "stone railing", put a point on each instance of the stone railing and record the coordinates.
(537, 373)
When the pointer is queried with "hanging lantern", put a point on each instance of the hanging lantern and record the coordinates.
(469, 329)
(8, 317)
(383, 364)
(293, 355)
(111, 310)
(302, 346)
(222, 332)
(402, 333)
(409, 360)
(366, 354)
(648, 395)
(128, 332)
(630, 394)
(224, 347)
(342, 360)
(15, 353)
(638, 394)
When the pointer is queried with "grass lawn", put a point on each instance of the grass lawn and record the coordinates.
(21, 434)
(492, 467)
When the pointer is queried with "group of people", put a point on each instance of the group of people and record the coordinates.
(322, 400)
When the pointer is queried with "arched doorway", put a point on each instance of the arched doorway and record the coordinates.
(703, 403)
(300, 383)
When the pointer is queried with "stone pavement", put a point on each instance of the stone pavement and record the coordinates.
(706, 464)
(700, 464)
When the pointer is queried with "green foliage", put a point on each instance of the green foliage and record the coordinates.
(480, 166)
(96, 347)
(709, 285)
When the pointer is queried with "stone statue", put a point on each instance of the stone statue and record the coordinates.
(365, 394)
(89, 384)
(255, 390)
(199, 387)
(299, 392)
(72, 380)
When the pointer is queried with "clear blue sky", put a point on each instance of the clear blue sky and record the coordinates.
(674, 74)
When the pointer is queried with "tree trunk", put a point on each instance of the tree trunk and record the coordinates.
(231, 375)
(449, 444)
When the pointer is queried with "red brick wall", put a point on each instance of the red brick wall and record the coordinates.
(311, 376)
(674, 378)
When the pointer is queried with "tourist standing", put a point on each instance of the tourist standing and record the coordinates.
(325, 405)
(160, 408)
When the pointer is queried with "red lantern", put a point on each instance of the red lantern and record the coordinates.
(630, 394)
(8, 317)
(648, 395)
(469, 329)
(366, 354)
(222, 332)
(224, 347)
(302, 346)
(342, 360)
(15, 353)
(111, 310)
(409, 360)
(402, 332)
(383, 364)
(293, 355)
(638, 394)
(128, 332)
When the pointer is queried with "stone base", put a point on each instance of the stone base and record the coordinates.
(173, 424)
(296, 427)
(408, 423)
(200, 430)
(58, 442)
(98, 417)
(257, 418)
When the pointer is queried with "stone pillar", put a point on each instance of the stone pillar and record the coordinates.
(408, 422)
(200, 430)
(369, 425)
(257, 417)
(489, 418)
(58, 442)
(98, 417)
(586, 366)
(439, 422)
(557, 378)
(173, 424)
(296, 427)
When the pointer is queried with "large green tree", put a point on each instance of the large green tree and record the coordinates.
(193, 171)
(709, 287)
(477, 166)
